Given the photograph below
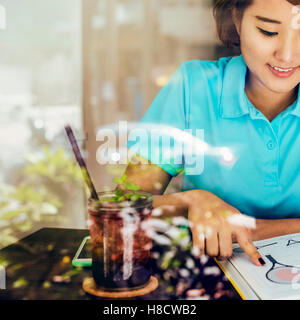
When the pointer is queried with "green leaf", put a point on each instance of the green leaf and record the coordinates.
(117, 180)
(110, 199)
(124, 178)
(176, 263)
(11, 214)
(135, 197)
(21, 282)
(131, 186)
(24, 227)
(119, 193)
(46, 284)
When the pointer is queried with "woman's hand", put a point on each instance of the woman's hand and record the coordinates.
(215, 226)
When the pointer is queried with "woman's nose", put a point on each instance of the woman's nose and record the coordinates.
(288, 50)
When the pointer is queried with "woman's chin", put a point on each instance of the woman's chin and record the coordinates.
(280, 87)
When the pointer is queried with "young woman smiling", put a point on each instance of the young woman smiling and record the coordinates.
(248, 104)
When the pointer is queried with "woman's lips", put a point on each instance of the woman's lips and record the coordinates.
(283, 73)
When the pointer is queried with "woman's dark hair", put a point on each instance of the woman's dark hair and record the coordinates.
(226, 29)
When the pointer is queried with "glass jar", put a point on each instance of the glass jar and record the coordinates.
(120, 242)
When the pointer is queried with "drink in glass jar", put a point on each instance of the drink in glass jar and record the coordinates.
(121, 245)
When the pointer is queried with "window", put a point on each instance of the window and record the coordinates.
(130, 49)
(40, 90)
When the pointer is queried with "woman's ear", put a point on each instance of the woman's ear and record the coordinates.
(236, 17)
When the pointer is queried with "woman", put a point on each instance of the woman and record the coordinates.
(250, 104)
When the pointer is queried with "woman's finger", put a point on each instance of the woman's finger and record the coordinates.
(200, 238)
(211, 242)
(248, 247)
(225, 242)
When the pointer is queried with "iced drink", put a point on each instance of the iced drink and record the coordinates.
(120, 241)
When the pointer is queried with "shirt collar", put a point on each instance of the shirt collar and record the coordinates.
(295, 109)
(234, 102)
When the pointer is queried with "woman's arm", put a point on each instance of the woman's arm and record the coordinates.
(178, 204)
(155, 180)
(274, 228)
(207, 214)
(212, 232)
(149, 177)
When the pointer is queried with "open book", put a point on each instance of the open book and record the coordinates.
(278, 279)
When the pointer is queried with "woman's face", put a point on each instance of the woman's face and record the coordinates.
(270, 44)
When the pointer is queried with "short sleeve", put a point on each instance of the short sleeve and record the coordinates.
(157, 137)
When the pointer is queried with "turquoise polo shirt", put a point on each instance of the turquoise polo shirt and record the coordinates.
(246, 160)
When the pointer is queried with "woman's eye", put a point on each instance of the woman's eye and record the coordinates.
(267, 33)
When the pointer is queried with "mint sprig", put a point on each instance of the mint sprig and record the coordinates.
(124, 193)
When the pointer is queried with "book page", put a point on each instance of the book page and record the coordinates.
(279, 278)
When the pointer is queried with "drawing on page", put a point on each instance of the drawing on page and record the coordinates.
(291, 242)
(282, 273)
(240, 250)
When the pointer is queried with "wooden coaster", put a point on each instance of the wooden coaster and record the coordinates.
(90, 287)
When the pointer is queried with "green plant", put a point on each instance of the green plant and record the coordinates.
(23, 207)
(124, 191)
(55, 168)
(49, 183)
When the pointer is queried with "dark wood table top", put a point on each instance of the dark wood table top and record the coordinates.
(39, 267)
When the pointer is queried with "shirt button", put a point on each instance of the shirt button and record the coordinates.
(271, 145)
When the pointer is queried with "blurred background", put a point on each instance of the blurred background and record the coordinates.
(89, 63)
